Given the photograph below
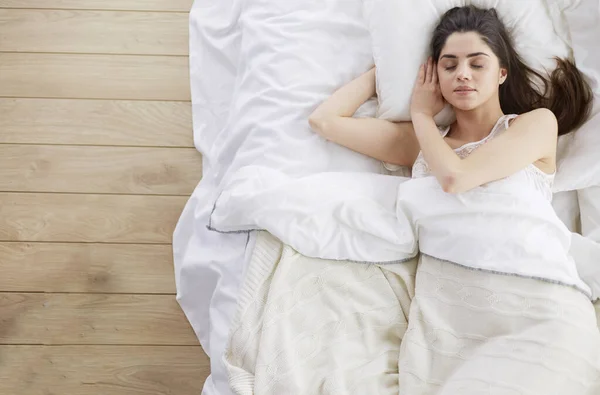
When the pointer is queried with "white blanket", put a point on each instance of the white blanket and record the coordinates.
(313, 326)
(383, 219)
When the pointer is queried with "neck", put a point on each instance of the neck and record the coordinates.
(476, 124)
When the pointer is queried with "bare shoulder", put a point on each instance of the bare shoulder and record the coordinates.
(538, 121)
(539, 128)
(545, 115)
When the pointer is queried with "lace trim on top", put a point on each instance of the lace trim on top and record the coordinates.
(542, 181)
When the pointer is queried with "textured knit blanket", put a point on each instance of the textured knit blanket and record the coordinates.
(314, 326)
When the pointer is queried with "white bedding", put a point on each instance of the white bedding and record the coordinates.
(578, 165)
(271, 78)
(257, 71)
(589, 201)
(209, 266)
(380, 219)
(566, 205)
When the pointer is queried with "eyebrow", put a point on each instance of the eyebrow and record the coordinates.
(471, 55)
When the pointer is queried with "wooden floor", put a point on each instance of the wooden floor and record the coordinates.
(96, 164)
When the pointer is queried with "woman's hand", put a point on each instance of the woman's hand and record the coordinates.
(427, 97)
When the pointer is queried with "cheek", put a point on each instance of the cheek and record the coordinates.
(446, 84)
(489, 80)
(487, 89)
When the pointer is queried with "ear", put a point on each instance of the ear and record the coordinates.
(503, 75)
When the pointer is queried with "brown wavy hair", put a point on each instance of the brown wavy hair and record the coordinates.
(565, 91)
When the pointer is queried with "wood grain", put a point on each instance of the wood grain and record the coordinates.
(96, 122)
(106, 268)
(127, 170)
(94, 76)
(138, 5)
(102, 370)
(108, 32)
(86, 268)
(37, 318)
(88, 218)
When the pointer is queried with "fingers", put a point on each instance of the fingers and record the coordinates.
(429, 74)
(421, 77)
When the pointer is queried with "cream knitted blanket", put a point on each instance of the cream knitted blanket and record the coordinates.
(312, 326)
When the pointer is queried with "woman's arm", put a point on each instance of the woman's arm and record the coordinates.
(530, 138)
(389, 142)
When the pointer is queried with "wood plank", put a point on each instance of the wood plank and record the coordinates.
(145, 5)
(89, 218)
(107, 268)
(76, 76)
(102, 370)
(105, 32)
(127, 170)
(38, 318)
(96, 122)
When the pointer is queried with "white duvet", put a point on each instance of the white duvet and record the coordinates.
(381, 219)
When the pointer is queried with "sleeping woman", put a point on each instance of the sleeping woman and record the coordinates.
(504, 126)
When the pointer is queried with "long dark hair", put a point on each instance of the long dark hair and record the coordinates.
(566, 93)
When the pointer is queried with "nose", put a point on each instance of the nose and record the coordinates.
(463, 73)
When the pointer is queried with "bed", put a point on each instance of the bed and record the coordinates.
(257, 71)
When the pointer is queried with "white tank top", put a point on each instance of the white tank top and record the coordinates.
(529, 179)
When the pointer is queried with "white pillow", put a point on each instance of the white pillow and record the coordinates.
(401, 31)
(579, 152)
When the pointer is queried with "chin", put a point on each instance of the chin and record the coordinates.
(464, 105)
(461, 104)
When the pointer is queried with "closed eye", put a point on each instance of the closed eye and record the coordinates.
(450, 68)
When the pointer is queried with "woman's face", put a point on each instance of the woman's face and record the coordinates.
(469, 72)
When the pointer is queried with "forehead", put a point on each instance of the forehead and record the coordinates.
(462, 44)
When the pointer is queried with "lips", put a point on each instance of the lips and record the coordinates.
(464, 89)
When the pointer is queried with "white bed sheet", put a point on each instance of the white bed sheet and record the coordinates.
(209, 266)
